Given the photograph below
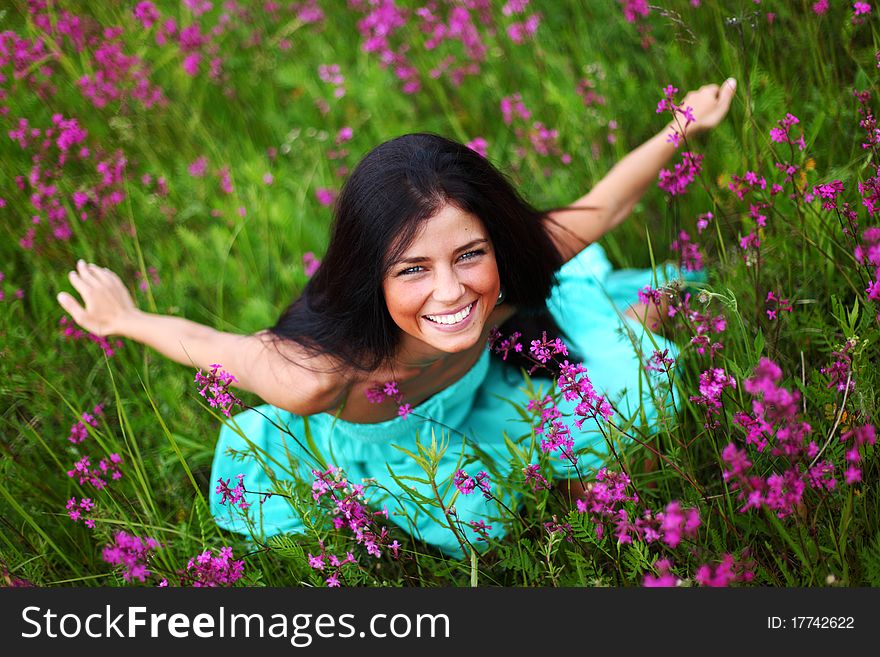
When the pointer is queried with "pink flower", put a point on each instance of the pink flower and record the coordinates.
(479, 145)
(325, 196)
(860, 8)
(217, 383)
(146, 13)
(191, 64)
(310, 264)
(198, 168)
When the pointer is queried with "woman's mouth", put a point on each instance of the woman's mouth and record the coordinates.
(453, 319)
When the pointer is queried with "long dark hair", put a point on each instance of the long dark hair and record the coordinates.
(391, 193)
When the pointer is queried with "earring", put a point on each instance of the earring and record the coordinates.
(500, 297)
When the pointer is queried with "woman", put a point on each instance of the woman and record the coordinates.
(431, 249)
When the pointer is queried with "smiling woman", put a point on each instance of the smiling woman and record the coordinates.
(443, 299)
(431, 249)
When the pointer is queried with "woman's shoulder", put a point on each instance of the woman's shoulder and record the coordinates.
(296, 378)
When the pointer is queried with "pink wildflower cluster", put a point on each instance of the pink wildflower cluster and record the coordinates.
(199, 41)
(676, 181)
(332, 75)
(543, 350)
(664, 578)
(465, 484)
(820, 7)
(153, 275)
(840, 371)
(712, 384)
(461, 33)
(586, 89)
(576, 386)
(751, 182)
(728, 572)
(215, 388)
(605, 503)
(604, 500)
(389, 390)
(332, 566)
(116, 76)
(79, 432)
(383, 19)
(52, 152)
(829, 193)
(703, 221)
(198, 167)
(523, 31)
(682, 116)
(781, 134)
(860, 11)
(775, 423)
(554, 526)
(555, 434)
(774, 304)
(857, 438)
(667, 526)
(326, 196)
(867, 253)
(636, 12)
(869, 190)
(70, 331)
(479, 145)
(132, 553)
(504, 346)
(689, 256)
(633, 10)
(542, 140)
(208, 570)
(348, 509)
(235, 496)
(481, 529)
(534, 478)
(310, 264)
(751, 247)
(32, 65)
(868, 122)
(512, 107)
(659, 361)
(75, 510)
(704, 326)
(97, 476)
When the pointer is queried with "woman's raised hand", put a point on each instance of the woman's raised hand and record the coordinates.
(107, 301)
(709, 104)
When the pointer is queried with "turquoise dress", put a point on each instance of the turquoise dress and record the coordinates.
(587, 303)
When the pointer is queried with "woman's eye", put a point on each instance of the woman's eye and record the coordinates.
(409, 270)
(470, 255)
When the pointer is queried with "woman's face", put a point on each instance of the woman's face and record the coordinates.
(444, 286)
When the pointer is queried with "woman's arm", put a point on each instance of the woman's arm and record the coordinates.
(256, 364)
(610, 201)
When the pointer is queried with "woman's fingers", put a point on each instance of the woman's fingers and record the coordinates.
(728, 89)
(71, 306)
(80, 284)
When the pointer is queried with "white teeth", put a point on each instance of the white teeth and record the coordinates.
(451, 319)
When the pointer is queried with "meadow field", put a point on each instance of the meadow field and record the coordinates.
(196, 149)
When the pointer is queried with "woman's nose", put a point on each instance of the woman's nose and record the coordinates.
(447, 286)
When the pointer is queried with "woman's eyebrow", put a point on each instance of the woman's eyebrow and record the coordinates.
(463, 247)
